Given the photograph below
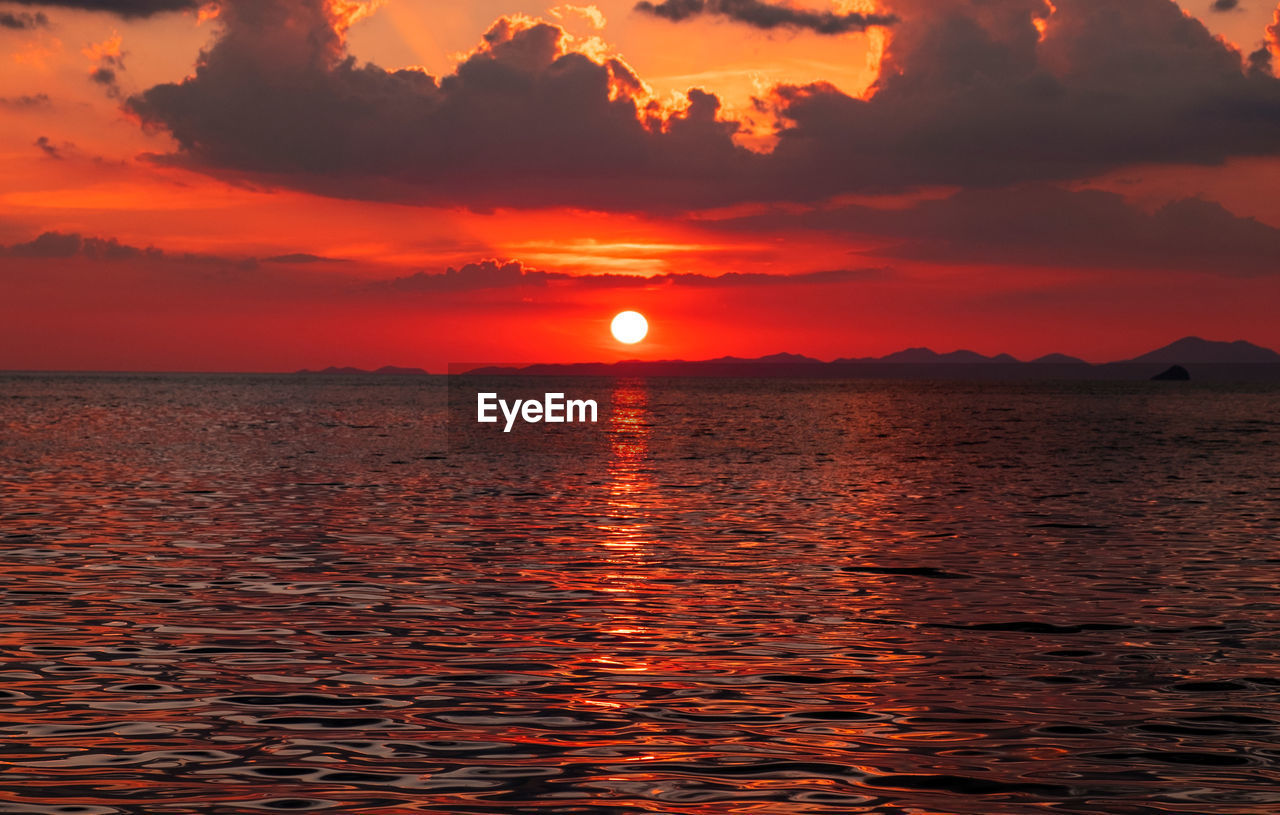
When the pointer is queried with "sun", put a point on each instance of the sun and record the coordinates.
(629, 327)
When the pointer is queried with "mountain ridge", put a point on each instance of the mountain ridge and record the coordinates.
(1188, 350)
(1197, 351)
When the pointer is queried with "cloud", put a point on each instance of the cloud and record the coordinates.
(49, 148)
(26, 101)
(48, 245)
(123, 8)
(591, 14)
(108, 62)
(103, 75)
(480, 276)
(1262, 61)
(509, 274)
(486, 274)
(303, 257)
(1225, 5)
(63, 245)
(971, 93)
(523, 121)
(67, 245)
(23, 20)
(768, 16)
(760, 279)
(1045, 226)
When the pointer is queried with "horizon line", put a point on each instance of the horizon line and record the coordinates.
(766, 359)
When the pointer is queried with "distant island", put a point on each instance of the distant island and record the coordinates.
(1203, 359)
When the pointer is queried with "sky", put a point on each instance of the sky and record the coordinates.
(267, 185)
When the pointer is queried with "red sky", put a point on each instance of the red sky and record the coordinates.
(277, 184)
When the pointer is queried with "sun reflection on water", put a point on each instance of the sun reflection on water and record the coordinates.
(630, 486)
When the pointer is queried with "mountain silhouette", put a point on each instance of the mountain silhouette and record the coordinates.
(1221, 361)
(1058, 359)
(1197, 351)
(926, 356)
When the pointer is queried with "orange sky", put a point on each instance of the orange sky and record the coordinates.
(230, 286)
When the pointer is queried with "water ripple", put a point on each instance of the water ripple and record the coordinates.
(266, 594)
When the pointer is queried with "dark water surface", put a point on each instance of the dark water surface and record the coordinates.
(255, 594)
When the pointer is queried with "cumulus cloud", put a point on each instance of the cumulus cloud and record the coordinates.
(524, 120)
(971, 93)
(123, 8)
(22, 20)
(1046, 226)
(767, 16)
(1262, 61)
(974, 93)
(592, 14)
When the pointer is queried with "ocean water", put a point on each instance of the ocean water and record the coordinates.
(255, 594)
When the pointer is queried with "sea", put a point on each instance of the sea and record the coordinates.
(259, 593)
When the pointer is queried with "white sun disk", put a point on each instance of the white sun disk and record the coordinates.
(629, 327)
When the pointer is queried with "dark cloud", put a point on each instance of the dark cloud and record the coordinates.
(1259, 63)
(972, 93)
(486, 274)
(48, 245)
(483, 275)
(760, 279)
(105, 76)
(22, 20)
(494, 274)
(1224, 5)
(68, 245)
(109, 65)
(55, 245)
(123, 8)
(48, 148)
(26, 101)
(303, 257)
(522, 122)
(759, 14)
(1046, 226)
